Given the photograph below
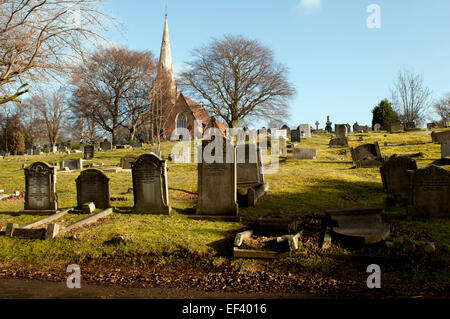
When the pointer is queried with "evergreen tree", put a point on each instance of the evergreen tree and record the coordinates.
(384, 115)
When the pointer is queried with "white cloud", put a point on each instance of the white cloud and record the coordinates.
(310, 6)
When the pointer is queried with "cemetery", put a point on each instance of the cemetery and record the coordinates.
(317, 212)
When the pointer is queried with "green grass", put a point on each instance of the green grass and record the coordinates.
(299, 188)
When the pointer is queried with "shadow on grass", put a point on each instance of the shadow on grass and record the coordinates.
(317, 198)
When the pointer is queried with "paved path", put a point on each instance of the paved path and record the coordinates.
(32, 289)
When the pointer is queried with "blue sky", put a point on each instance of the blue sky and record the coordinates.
(338, 65)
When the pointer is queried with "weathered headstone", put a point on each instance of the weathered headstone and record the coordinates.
(445, 150)
(440, 137)
(429, 193)
(341, 130)
(359, 225)
(295, 136)
(126, 161)
(217, 180)
(305, 130)
(250, 176)
(377, 127)
(40, 193)
(137, 145)
(367, 155)
(328, 124)
(395, 176)
(89, 152)
(106, 146)
(150, 188)
(339, 142)
(396, 128)
(72, 164)
(93, 186)
(304, 153)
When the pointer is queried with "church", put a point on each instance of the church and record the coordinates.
(179, 112)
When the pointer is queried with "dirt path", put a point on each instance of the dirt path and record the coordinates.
(33, 289)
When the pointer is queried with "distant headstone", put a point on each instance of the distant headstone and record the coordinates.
(126, 161)
(137, 145)
(328, 124)
(377, 127)
(305, 130)
(440, 137)
(40, 189)
(72, 165)
(397, 128)
(341, 130)
(150, 187)
(285, 127)
(339, 142)
(304, 153)
(429, 193)
(295, 136)
(217, 180)
(106, 146)
(89, 152)
(93, 186)
(367, 155)
(395, 176)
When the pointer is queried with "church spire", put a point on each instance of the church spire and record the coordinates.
(165, 59)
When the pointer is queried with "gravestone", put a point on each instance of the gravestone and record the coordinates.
(40, 189)
(429, 192)
(126, 161)
(445, 150)
(286, 128)
(93, 186)
(440, 137)
(361, 225)
(137, 145)
(349, 128)
(89, 152)
(150, 188)
(328, 124)
(304, 153)
(295, 136)
(395, 176)
(305, 130)
(341, 130)
(396, 128)
(339, 142)
(367, 155)
(250, 176)
(72, 164)
(217, 180)
(106, 146)
(377, 127)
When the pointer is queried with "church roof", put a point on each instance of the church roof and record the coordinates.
(201, 114)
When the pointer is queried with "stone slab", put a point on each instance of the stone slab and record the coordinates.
(359, 224)
(304, 153)
(46, 220)
(89, 220)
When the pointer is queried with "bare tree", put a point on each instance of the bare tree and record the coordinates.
(39, 37)
(33, 125)
(52, 107)
(442, 108)
(411, 99)
(162, 106)
(236, 78)
(113, 85)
